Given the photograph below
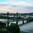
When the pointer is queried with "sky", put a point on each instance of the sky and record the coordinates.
(13, 6)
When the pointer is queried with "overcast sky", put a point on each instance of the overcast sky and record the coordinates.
(13, 6)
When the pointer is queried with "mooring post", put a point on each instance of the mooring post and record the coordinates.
(17, 18)
(7, 19)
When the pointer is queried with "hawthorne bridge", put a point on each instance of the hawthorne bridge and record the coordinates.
(16, 17)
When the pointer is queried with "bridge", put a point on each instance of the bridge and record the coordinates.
(17, 17)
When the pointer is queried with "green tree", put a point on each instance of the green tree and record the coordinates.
(2, 24)
(14, 28)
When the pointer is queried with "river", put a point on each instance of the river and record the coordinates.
(25, 28)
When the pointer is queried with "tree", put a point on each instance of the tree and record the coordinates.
(2, 24)
(14, 28)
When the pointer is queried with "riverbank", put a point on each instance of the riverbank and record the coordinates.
(5, 29)
(23, 32)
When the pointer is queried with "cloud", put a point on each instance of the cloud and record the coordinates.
(15, 0)
(23, 3)
(4, 4)
(19, 10)
(4, 9)
(17, 6)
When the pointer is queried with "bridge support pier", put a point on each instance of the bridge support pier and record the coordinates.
(27, 21)
(7, 25)
(16, 22)
(14, 17)
(23, 21)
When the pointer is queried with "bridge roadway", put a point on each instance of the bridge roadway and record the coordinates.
(13, 20)
(24, 16)
(16, 20)
(27, 21)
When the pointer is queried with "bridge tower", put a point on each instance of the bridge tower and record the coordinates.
(17, 18)
(7, 19)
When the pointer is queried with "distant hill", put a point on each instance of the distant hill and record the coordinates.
(15, 13)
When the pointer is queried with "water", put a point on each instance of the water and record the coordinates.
(25, 28)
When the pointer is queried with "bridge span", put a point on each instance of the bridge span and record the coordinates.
(23, 17)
